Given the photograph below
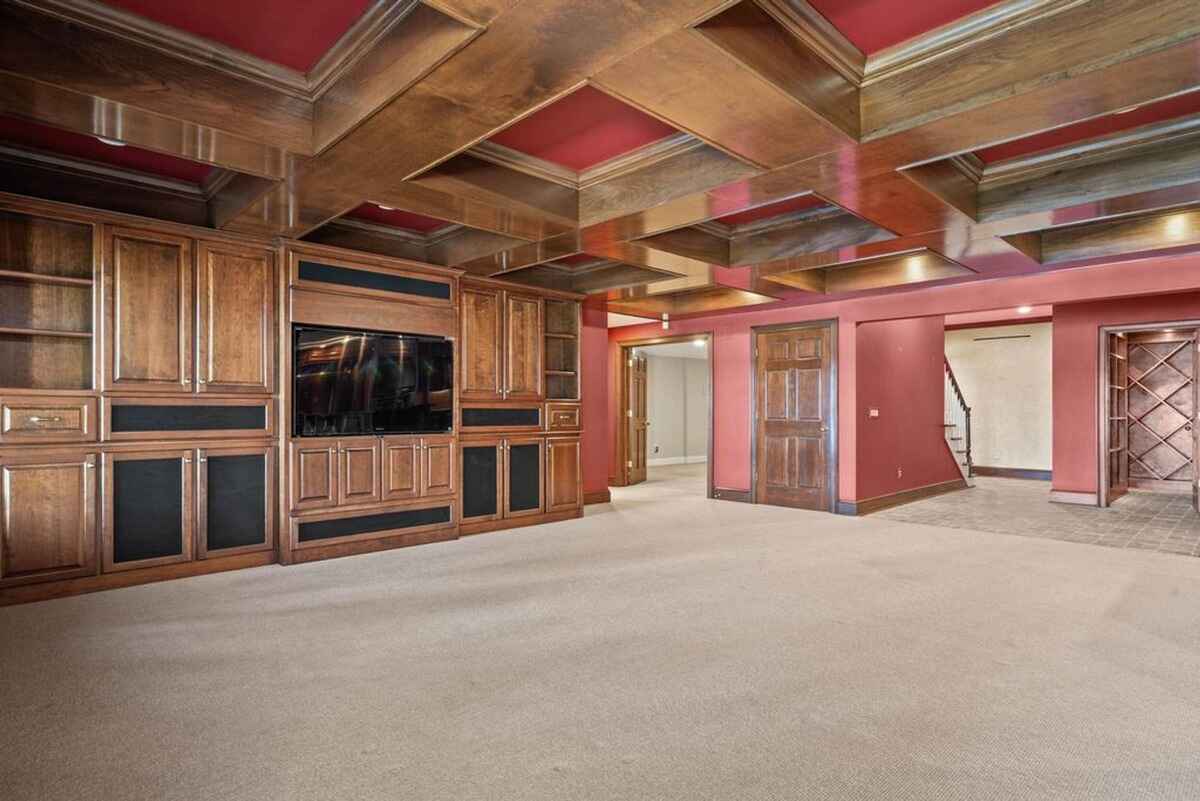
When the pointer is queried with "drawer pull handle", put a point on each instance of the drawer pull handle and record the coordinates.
(36, 419)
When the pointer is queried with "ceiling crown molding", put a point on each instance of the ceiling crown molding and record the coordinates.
(353, 44)
(963, 32)
(1110, 147)
(810, 27)
(93, 169)
(624, 164)
(412, 237)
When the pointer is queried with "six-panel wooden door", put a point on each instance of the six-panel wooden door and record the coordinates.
(793, 417)
(637, 426)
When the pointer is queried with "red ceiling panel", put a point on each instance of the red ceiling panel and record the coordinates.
(66, 143)
(286, 32)
(1179, 106)
(774, 210)
(396, 218)
(583, 129)
(874, 25)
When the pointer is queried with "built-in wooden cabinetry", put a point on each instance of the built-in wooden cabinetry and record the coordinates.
(145, 409)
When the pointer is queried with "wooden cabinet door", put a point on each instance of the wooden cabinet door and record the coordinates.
(314, 474)
(359, 479)
(438, 470)
(47, 517)
(524, 476)
(149, 517)
(401, 468)
(235, 500)
(235, 289)
(148, 312)
(564, 475)
(482, 474)
(523, 347)
(481, 349)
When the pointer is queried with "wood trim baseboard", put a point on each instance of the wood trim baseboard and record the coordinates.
(725, 494)
(600, 496)
(879, 503)
(1077, 498)
(128, 578)
(1012, 472)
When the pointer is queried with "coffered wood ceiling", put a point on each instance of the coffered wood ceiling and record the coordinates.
(684, 156)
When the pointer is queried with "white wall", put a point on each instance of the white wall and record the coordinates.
(677, 406)
(1005, 375)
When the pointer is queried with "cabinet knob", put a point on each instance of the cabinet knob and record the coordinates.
(201, 381)
(90, 465)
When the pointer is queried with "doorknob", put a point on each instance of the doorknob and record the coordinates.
(1187, 427)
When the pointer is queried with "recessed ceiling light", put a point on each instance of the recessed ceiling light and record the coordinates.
(111, 142)
(1127, 109)
(699, 343)
(1024, 309)
(385, 208)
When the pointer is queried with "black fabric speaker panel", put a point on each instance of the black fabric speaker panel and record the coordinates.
(365, 279)
(188, 418)
(479, 480)
(524, 477)
(501, 417)
(346, 526)
(147, 509)
(237, 490)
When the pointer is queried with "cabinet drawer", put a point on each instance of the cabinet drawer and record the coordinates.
(562, 416)
(38, 419)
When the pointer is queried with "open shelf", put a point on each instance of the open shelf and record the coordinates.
(562, 350)
(47, 281)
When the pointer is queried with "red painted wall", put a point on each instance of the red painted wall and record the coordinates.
(731, 348)
(900, 373)
(1076, 362)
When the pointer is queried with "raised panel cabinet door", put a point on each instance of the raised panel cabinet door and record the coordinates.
(564, 475)
(482, 348)
(149, 515)
(401, 468)
(438, 470)
(235, 500)
(523, 347)
(47, 517)
(482, 472)
(314, 474)
(148, 312)
(236, 311)
(359, 479)
(524, 477)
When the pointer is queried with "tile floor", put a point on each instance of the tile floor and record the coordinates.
(1142, 520)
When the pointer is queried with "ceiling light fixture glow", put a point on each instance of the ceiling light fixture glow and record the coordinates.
(111, 142)
(699, 343)
(1024, 309)
(385, 208)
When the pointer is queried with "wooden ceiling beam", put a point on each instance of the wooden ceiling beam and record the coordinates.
(828, 231)
(1120, 237)
(108, 68)
(1068, 40)
(692, 243)
(688, 81)
(533, 53)
(504, 188)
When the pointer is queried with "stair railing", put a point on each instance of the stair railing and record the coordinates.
(958, 421)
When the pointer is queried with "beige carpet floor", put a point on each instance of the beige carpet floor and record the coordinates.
(663, 647)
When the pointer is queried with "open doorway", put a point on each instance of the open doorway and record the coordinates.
(1149, 431)
(665, 424)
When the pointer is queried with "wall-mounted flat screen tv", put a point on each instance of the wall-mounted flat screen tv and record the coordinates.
(367, 382)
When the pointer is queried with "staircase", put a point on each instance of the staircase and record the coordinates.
(958, 425)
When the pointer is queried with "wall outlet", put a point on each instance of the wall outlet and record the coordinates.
(872, 413)
(656, 449)
(899, 472)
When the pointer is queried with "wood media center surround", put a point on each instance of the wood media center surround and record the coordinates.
(146, 399)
